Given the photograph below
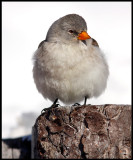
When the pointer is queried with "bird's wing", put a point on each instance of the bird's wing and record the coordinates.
(41, 43)
(94, 42)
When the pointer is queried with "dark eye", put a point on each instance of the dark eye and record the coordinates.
(71, 31)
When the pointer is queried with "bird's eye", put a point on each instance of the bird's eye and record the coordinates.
(70, 31)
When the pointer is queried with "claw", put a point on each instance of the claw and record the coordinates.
(54, 105)
(76, 104)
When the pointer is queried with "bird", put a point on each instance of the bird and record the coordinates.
(69, 65)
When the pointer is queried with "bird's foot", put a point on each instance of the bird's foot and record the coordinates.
(76, 104)
(54, 105)
(51, 107)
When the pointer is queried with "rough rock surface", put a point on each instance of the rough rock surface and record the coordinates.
(83, 132)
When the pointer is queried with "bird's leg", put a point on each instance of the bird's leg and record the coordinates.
(54, 105)
(85, 101)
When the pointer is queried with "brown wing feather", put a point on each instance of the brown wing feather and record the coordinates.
(41, 43)
(94, 42)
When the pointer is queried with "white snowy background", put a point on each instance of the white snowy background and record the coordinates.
(25, 25)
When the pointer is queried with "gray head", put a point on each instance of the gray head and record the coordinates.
(68, 29)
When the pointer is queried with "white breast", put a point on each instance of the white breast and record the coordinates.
(71, 72)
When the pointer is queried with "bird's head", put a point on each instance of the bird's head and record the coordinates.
(68, 29)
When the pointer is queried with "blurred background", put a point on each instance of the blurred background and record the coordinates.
(25, 25)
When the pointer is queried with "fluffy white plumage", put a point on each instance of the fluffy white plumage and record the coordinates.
(70, 71)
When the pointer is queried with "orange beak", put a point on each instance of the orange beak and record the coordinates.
(83, 35)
